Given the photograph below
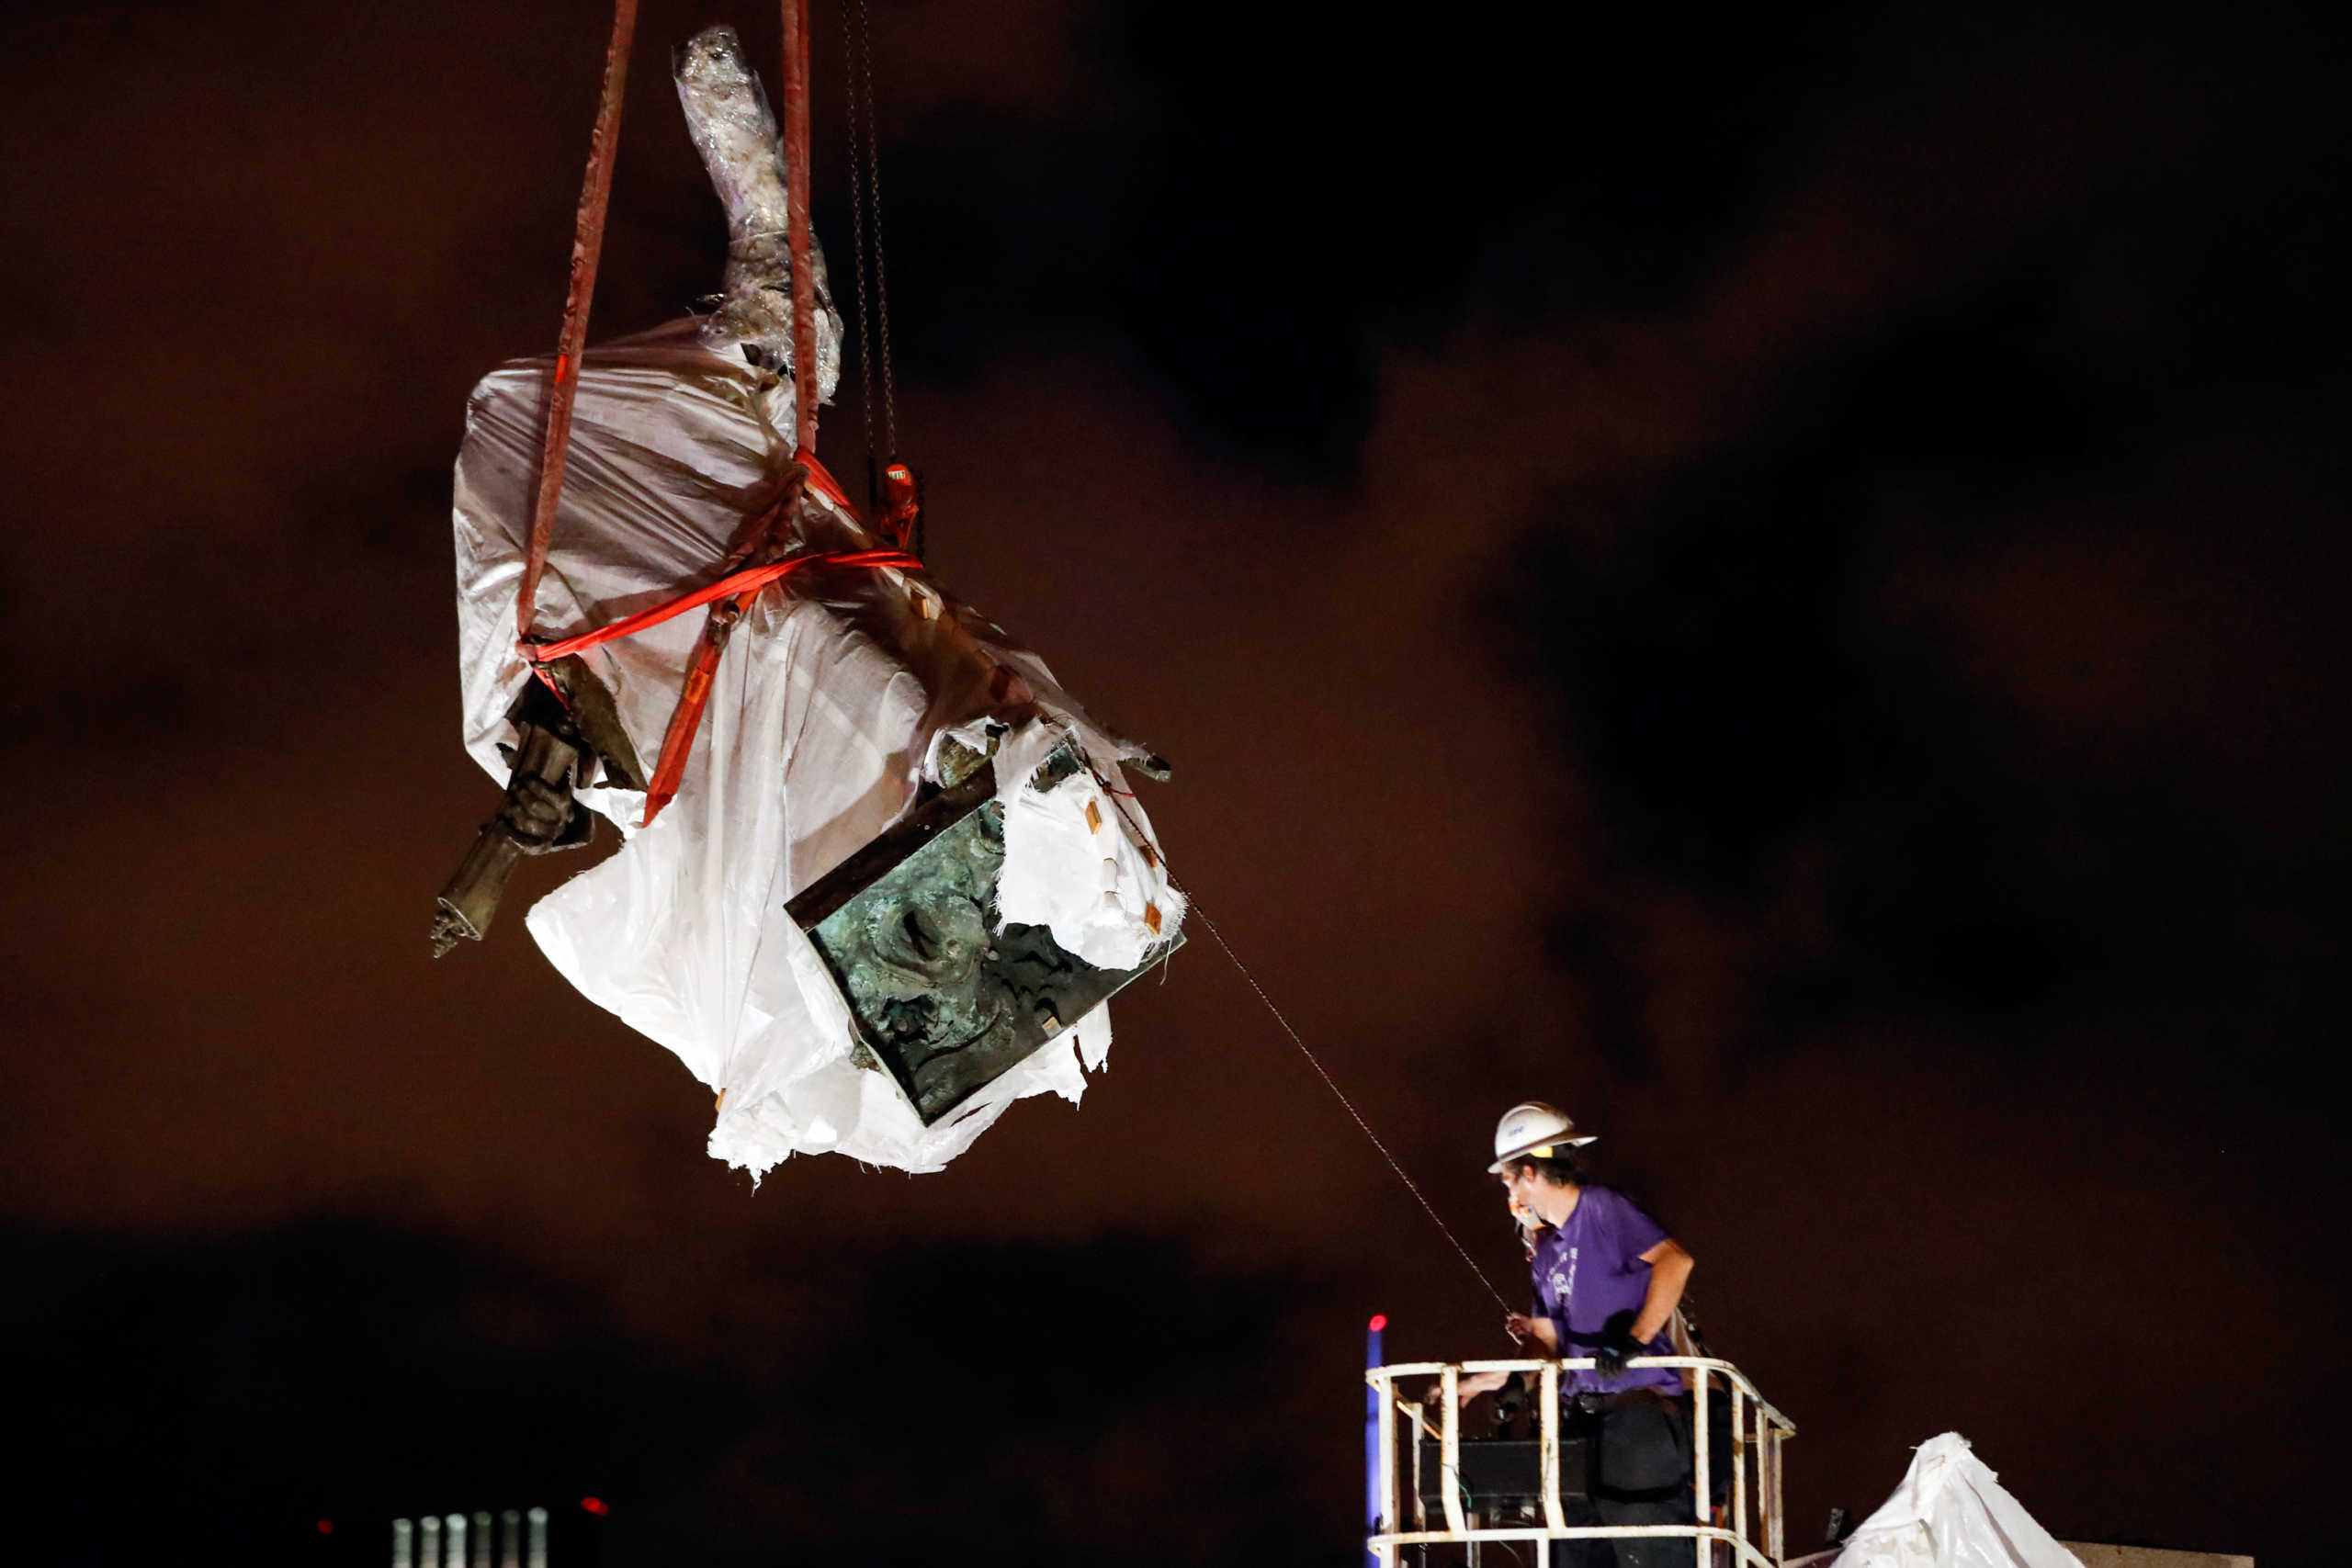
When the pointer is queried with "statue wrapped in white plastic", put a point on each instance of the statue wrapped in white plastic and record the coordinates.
(903, 868)
(1951, 1511)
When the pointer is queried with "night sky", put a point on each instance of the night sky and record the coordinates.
(1763, 576)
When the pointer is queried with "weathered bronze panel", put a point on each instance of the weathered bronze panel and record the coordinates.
(946, 1003)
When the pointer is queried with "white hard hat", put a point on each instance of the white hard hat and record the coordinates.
(1530, 1130)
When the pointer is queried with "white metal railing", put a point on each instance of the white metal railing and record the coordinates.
(1758, 1430)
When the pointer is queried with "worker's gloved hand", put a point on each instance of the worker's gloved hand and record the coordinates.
(1510, 1399)
(1617, 1343)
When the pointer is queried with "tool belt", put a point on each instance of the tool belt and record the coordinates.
(1640, 1443)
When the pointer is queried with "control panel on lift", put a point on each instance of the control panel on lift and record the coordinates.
(1505, 1469)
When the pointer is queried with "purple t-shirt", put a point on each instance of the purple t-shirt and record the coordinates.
(1590, 1269)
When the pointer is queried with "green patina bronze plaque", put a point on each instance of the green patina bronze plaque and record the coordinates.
(945, 1001)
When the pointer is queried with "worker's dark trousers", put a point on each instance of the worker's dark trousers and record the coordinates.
(1642, 1477)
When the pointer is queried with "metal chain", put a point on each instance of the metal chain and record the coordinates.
(865, 64)
(857, 121)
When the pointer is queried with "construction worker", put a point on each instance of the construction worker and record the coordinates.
(1607, 1282)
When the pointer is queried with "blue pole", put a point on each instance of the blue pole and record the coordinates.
(1375, 1504)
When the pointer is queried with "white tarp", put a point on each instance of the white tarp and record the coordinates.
(1952, 1512)
(820, 728)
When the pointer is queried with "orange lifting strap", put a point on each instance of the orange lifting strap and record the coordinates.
(728, 593)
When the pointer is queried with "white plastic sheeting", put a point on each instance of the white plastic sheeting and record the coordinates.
(820, 726)
(1952, 1512)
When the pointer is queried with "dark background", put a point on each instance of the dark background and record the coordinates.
(1762, 575)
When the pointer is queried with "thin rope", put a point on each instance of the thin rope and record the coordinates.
(1193, 905)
